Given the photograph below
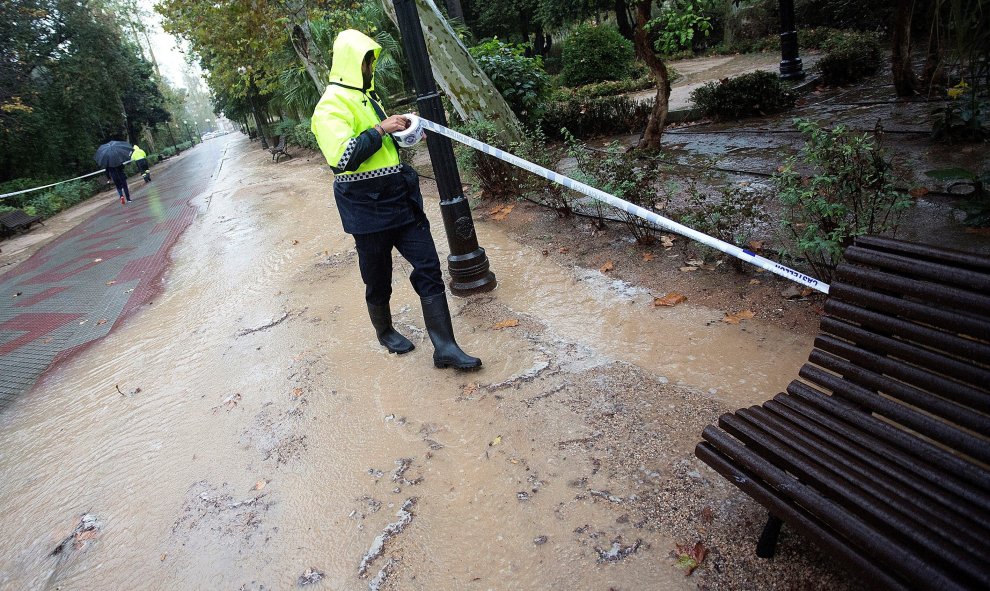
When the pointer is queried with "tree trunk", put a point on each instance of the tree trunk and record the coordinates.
(471, 92)
(905, 81)
(933, 74)
(306, 49)
(455, 10)
(622, 19)
(658, 118)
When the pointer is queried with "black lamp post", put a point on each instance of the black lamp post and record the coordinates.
(467, 262)
(790, 63)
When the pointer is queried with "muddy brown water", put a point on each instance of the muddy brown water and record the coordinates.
(220, 454)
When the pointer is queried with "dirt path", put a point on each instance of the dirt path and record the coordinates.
(245, 430)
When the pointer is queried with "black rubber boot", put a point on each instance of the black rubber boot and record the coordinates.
(381, 319)
(446, 353)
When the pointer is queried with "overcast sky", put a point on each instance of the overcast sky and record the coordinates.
(171, 61)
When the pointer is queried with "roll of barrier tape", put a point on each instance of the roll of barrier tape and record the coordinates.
(411, 135)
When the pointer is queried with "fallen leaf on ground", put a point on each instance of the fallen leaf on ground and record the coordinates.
(608, 266)
(666, 241)
(297, 392)
(647, 257)
(470, 389)
(506, 324)
(546, 252)
(688, 269)
(260, 484)
(671, 299)
(696, 262)
(690, 557)
(163, 557)
(754, 282)
(918, 192)
(111, 282)
(735, 318)
(294, 242)
(101, 322)
(496, 441)
(563, 250)
(499, 213)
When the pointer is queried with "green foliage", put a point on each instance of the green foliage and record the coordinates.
(520, 79)
(494, 178)
(849, 192)
(596, 53)
(963, 117)
(56, 199)
(167, 152)
(642, 81)
(849, 57)
(590, 117)
(680, 24)
(756, 93)
(736, 213)
(633, 176)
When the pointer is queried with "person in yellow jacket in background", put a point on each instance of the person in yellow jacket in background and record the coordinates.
(379, 200)
(141, 160)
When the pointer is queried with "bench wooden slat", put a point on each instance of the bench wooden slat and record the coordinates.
(961, 322)
(924, 359)
(931, 294)
(924, 451)
(848, 481)
(969, 396)
(890, 553)
(967, 350)
(922, 423)
(862, 376)
(936, 486)
(798, 518)
(924, 252)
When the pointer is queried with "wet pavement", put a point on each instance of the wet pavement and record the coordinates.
(78, 287)
(244, 429)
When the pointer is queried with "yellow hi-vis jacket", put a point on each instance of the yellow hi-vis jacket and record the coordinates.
(138, 153)
(373, 190)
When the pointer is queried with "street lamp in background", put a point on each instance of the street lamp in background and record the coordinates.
(790, 64)
(188, 135)
(467, 263)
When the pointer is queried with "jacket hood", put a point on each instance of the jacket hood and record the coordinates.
(349, 49)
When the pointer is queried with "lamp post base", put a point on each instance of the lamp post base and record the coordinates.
(470, 273)
(791, 69)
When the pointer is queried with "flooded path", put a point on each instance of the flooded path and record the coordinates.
(246, 431)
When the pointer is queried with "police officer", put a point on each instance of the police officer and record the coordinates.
(379, 200)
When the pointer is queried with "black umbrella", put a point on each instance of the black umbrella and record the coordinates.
(112, 154)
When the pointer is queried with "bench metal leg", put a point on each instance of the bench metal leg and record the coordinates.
(767, 545)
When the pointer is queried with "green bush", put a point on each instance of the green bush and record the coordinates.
(849, 192)
(152, 159)
(303, 137)
(756, 93)
(594, 54)
(183, 146)
(56, 199)
(642, 81)
(520, 79)
(167, 152)
(588, 117)
(633, 176)
(849, 57)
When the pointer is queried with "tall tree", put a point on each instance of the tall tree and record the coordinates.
(471, 92)
(644, 47)
(905, 80)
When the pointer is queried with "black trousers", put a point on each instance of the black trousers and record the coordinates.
(415, 243)
(119, 178)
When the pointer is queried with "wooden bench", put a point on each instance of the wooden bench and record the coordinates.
(279, 150)
(14, 221)
(881, 452)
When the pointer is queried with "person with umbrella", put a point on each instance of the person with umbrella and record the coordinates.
(112, 156)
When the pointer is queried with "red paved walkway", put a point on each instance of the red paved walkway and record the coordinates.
(76, 289)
